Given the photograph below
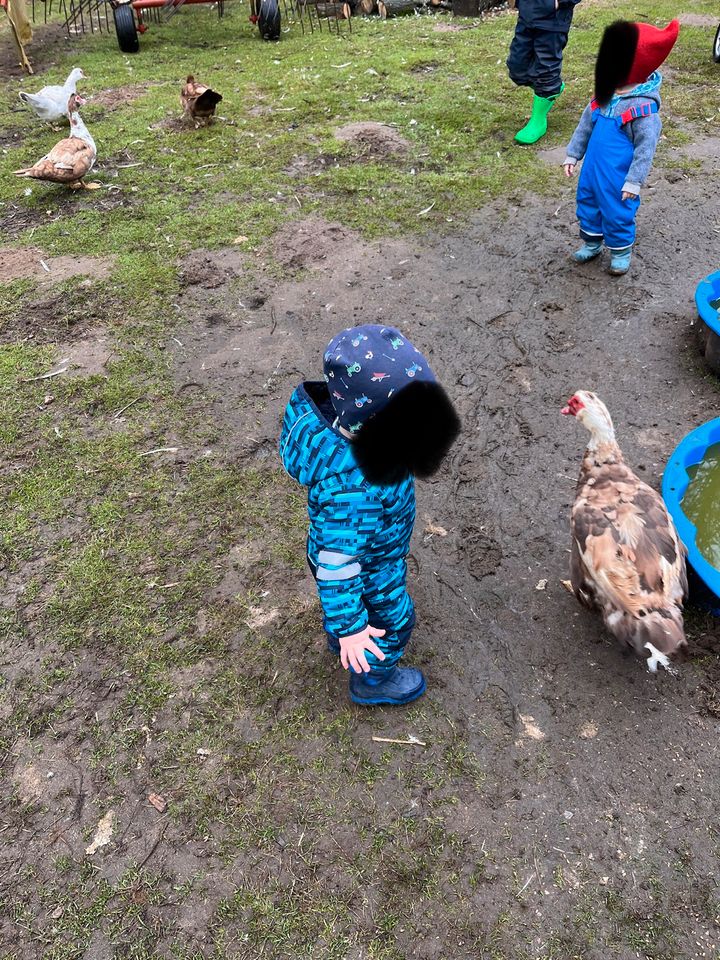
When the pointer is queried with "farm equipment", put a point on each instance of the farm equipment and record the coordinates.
(131, 18)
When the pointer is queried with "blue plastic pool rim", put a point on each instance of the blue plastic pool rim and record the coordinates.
(703, 294)
(689, 452)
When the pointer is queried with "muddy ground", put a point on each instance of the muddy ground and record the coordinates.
(576, 813)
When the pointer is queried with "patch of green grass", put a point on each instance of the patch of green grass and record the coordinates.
(205, 187)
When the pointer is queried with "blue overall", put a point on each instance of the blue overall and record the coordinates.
(602, 212)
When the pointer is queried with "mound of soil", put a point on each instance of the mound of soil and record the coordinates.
(116, 97)
(377, 140)
(210, 269)
(311, 243)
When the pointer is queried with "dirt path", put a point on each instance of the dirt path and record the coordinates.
(565, 803)
(597, 776)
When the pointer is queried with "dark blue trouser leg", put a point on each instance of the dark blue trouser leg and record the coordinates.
(521, 56)
(549, 46)
(535, 59)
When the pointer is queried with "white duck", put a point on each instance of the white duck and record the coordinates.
(50, 103)
(626, 559)
(70, 159)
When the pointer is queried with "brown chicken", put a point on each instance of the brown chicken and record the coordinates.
(71, 158)
(626, 558)
(199, 101)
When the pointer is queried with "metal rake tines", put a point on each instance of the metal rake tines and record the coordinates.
(292, 15)
(335, 13)
(170, 8)
(85, 16)
(47, 9)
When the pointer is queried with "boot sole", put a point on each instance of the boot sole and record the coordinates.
(585, 259)
(617, 273)
(389, 701)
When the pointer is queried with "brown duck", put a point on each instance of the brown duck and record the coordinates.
(626, 558)
(198, 101)
(71, 158)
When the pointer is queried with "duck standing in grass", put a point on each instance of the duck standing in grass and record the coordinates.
(626, 557)
(51, 103)
(70, 159)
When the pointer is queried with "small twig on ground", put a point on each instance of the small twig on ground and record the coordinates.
(159, 450)
(126, 407)
(47, 376)
(410, 742)
(525, 886)
(154, 847)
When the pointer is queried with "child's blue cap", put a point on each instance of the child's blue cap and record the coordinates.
(365, 366)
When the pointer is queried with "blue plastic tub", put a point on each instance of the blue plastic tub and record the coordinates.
(705, 584)
(708, 291)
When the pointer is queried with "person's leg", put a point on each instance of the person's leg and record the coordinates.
(390, 609)
(590, 220)
(619, 227)
(546, 82)
(521, 56)
(549, 46)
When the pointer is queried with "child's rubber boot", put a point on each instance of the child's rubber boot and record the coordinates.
(399, 686)
(536, 127)
(620, 261)
(588, 251)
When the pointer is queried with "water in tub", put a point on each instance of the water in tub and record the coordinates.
(701, 504)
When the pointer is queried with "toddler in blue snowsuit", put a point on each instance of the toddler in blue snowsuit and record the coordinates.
(618, 135)
(356, 440)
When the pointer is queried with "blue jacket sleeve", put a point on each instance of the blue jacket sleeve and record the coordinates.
(645, 135)
(580, 139)
(346, 523)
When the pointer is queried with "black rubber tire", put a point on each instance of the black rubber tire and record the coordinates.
(126, 28)
(269, 19)
(716, 46)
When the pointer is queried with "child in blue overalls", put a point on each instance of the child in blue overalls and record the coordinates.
(618, 135)
(535, 58)
(356, 440)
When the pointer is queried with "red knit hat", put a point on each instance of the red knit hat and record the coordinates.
(629, 53)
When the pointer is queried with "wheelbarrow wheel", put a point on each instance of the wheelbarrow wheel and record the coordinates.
(126, 29)
(716, 46)
(269, 19)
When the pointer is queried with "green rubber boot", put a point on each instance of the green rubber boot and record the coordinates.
(536, 127)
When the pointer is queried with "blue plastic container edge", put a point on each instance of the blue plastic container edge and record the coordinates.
(689, 452)
(703, 291)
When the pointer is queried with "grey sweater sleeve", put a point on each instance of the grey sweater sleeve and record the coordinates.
(579, 141)
(645, 132)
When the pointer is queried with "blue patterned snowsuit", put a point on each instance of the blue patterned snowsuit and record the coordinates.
(359, 533)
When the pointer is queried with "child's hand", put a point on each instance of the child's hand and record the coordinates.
(352, 649)
(628, 196)
(569, 169)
